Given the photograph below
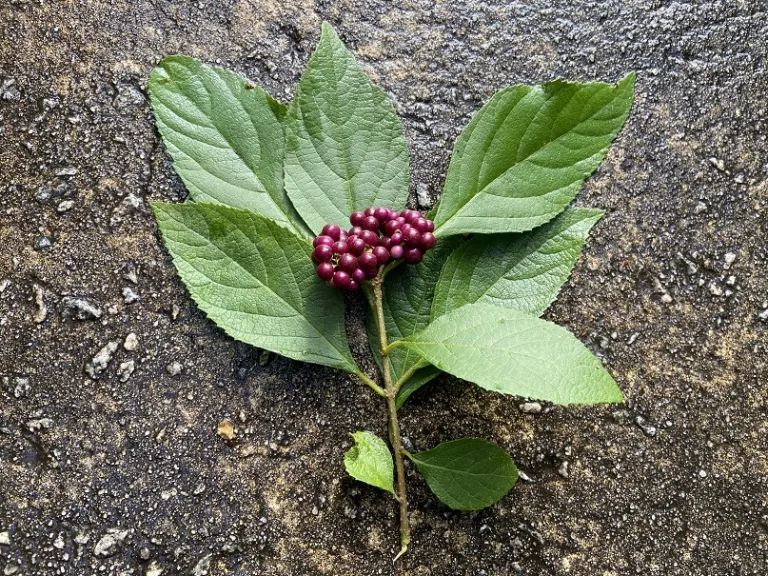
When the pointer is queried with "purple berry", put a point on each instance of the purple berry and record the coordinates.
(332, 230)
(341, 279)
(385, 241)
(325, 271)
(382, 255)
(410, 215)
(381, 214)
(393, 215)
(420, 224)
(356, 245)
(322, 253)
(369, 211)
(430, 226)
(427, 241)
(370, 223)
(396, 252)
(371, 273)
(391, 227)
(356, 218)
(340, 247)
(370, 238)
(322, 240)
(368, 260)
(396, 238)
(347, 263)
(352, 286)
(413, 256)
(358, 274)
(411, 236)
(355, 231)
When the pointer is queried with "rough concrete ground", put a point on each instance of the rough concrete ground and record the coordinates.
(125, 474)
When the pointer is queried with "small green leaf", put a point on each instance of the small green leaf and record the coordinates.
(408, 292)
(524, 156)
(421, 377)
(256, 281)
(345, 144)
(370, 461)
(507, 351)
(225, 137)
(467, 474)
(522, 271)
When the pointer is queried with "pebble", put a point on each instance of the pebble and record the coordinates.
(226, 430)
(174, 368)
(42, 243)
(422, 195)
(702, 473)
(144, 553)
(202, 567)
(101, 361)
(649, 429)
(5, 538)
(129, 205)
(107, 545)
(10, 570)
(699, 208)
(154, 569)
(10, 92)
(730, 258)
(129, 296)
(563, 469)
(65, 206)
(125, 370)
(763, 316)
(42, 309)
(131, 342)
(79, 308)
(4, 284)
(715, 289)
(530, 408)
(717, 163)
(22, 387)
(39, 424)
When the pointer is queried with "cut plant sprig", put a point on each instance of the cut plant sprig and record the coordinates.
(265, 178)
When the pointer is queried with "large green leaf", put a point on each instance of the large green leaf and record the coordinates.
(345, 144)
(525, 154)
(507, 351)
(523, 271)
(256, 281)
(467, 474)
(225, 137)
(370, 461)
(407, 295)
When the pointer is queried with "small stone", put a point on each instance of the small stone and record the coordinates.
(43, 194)
(65, 206)
(125, 370)
(42, 309)
(226, 430)
(699, 208)
(67, 171)
(729, 258)
(79, 308)
(11, 569)
(174, 368)
(131, 342)
(101, 361)
(666, 298)
(109, 543)
(40, 424)
(129, 205)
(763, 316)
(717, 163)
(4, 285)
(649, 429)
(5, 538)
(702, 473)
(154, 569)
(129, 296)
(202, 567)
(42, 243)
(59, 542)
(144, 553)
(10, 92)
(731, 280)
(199, 489)
(422, 195)
(530, 408)
(715, 289)
(168, 494)
(563, 469)
(22, 387)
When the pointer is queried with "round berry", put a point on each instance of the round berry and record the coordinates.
(370, 237)
(430, 226)
(343, 235)
(391, 227)
(341, 279)
(370, 223)
(325, 271)
(411, 236)
(352, 286)
(385, 241)
(396, 238)
(427, 241)
(347, 262)
(368, 260)
(420, 224)
(369, 211)
(322, 253)
(322, 240)
(381, 214)
(356, 245)
(396, 252)
(358, 274)
(356, 218)
(340, 247)
(332, 230)
(371, 273)
(412, 256)
(393, 214)
(410, 215)
(355, 231)
(382, 255)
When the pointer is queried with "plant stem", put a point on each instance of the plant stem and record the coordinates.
(394, 425)
(371, 384)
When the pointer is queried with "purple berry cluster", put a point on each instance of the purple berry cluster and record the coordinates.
(378, 236)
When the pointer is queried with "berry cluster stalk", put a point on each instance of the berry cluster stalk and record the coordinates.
(394, 425)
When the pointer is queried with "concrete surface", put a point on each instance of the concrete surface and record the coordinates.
(125, 473)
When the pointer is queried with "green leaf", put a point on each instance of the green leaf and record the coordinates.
(256, 281)
(525, 154)
(507, 351)
(224, 135)
(519, 271)
(420, 378)
(370, 461)
(407, 295)
(345, 144)
(467, 474)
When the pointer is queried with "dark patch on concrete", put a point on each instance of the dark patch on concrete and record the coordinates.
(671, 293)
